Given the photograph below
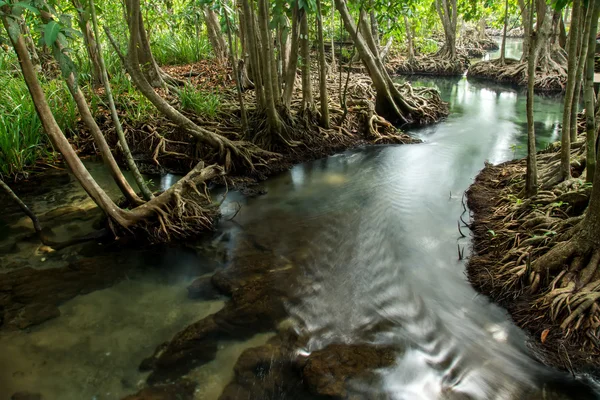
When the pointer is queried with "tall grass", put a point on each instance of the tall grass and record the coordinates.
(171, 49)
(203, 103)
(22, 139)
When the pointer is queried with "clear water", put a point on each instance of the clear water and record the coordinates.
(514, 49)
(383, 227)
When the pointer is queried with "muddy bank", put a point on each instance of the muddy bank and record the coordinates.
(509, 234)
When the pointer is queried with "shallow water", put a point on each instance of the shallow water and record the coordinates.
(514, 49)
(382, 268)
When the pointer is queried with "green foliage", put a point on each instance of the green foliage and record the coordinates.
(180, 49)
(201, 102)
(136, 107)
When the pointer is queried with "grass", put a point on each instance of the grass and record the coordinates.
(22, 140)
(177, 50)
(201, 102)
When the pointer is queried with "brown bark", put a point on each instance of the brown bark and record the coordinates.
(503, 46)
(526, 29)
(409, 40)
(582, 45)
(292, 64)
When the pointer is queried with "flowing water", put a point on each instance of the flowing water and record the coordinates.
(383, 268)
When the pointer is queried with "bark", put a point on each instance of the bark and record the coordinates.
(308, 101)
(90, 123)
(267, 63)
(89, 41)
(531, 185)
(292, 64)
(35, 58)
(503, 47)
(148, 64)
(332, 39)
(389, 103)
(588, 90)
(254, 45)
(409, 40)
(582, 45)
(214, 34)
(447, 12)
(565, 170)
(237, 75)
(137, 176)
(56, 136)
(526, 29)
(562, 33)
(322, 70)
(374, 27)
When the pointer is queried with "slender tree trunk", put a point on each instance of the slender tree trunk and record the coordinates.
(139, 179)
(526, 29)
(562, 33)
(308, 101)
(56, 136)
(254, 46)
(333, 38)
(322, 70)
(35, 58)
(569, 95)
(292, 65)
(214, 34)
(503, 47)
(374, 27)
(590, 107)
(89, 41)
(531, 185)
(409, 40)
(582, 45)
(238, 84)
(447, 12)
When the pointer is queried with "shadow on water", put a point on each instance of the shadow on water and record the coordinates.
(377, 227)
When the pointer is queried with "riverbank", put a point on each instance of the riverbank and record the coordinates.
(511, 232)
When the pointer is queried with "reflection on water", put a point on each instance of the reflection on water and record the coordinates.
(514, 49)
(381, 267)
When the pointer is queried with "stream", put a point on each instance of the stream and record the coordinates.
(383, 252)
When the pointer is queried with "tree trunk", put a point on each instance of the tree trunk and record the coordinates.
(388, 102)
(409, 41)
(308, 101)
(562, 33)
(588, 90)
(237, 75)
(531, 186)
(254, 45)
(139, 179)
(503, 47)
(333, 38)
(214, 34)
(374, 27)
(56, 136)
(322, 70)
(89, 41)
(447, 12)
(526, 29)
(565, 171)
(292, 64)
(582, 45)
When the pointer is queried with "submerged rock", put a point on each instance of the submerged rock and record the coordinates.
(26, 396)
(202, 288)
(182, 390)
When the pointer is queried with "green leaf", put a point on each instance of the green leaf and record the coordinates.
(25, 5)
(2, 3)
(51, 32)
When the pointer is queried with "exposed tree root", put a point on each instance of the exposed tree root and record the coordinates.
(534, 257)
(431, 65)
(551, 78)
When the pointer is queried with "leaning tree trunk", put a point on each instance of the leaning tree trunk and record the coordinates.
(89, 41)
(322, 69)
(181, 210)
(389, 103)
(588, 90)
(214, 34)
(531, 185)
(565, 170)
(137, 176)
(447, 12)
(237, 75)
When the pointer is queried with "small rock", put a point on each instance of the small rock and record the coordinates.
(202, 288)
